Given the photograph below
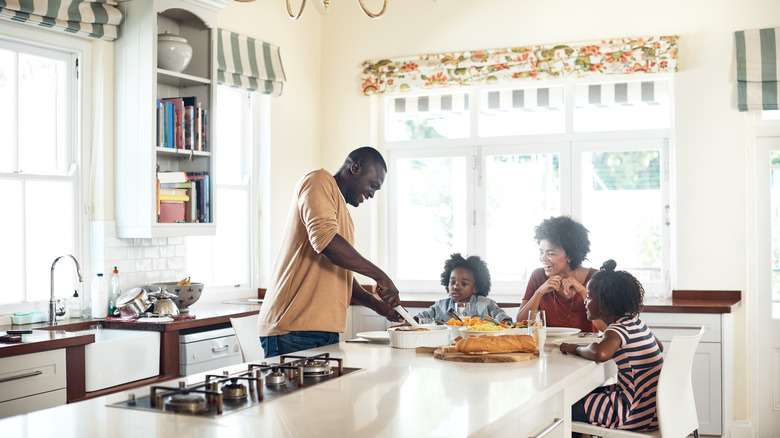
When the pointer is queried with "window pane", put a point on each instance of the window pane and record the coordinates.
(426, 117)
(621, 106)
(230, 166)
(42, 115)
(429, 214)
(521, 111)
(7, 110)
(224, 260)
(48, 238)
(774, 196)
(621, 204)
(521, 191)
(11, 266)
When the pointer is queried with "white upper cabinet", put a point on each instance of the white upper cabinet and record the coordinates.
(143, 145)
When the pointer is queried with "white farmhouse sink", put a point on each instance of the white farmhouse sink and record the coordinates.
(121, 356)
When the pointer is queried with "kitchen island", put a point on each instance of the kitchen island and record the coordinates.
(398, 392)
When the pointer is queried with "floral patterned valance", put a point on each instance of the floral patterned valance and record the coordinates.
(616, 56)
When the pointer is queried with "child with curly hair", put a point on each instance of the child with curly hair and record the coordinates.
(466, 280)
(616, 297)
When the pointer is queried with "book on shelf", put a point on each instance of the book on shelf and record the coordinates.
(184, 198)
(192, 206)
(172, 192)
(160, 124)
(171, 212)
(176, 185)
(189, 130)
(171, 177)
(177, 106)
(201, 182)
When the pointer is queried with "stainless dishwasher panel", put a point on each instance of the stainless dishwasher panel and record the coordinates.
(208, 350)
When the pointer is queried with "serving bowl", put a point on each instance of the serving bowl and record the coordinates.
(404, 337)
(186, 294)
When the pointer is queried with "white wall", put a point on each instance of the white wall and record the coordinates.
(322, 115)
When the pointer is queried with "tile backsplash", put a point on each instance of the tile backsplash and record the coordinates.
(139, 261)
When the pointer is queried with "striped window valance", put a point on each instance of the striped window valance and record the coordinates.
(757, 69)
(616, 56)
(249, 64)
(90, 18)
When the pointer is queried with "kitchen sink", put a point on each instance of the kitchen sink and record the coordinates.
(118, 356)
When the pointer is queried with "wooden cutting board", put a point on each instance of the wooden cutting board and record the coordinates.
(479, 358)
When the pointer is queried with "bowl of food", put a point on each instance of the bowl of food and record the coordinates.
(408, 337)
(186, 294)
(482, 329)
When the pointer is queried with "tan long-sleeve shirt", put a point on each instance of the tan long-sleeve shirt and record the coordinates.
(306, 292)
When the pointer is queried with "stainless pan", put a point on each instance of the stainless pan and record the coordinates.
(133, 302)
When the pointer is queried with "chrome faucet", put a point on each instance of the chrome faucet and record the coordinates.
(52, 301)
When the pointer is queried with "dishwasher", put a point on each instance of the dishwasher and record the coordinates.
(208, 348)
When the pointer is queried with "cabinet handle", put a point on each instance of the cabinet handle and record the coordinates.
(219, 349)
(21, 376)
(556, 422)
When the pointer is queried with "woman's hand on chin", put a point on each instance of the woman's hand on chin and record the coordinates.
(570, 286)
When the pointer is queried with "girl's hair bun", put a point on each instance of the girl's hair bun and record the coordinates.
(609, 265)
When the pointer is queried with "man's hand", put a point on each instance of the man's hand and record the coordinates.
(388, 312)
(388, 292)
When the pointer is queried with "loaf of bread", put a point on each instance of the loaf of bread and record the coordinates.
(496, 344)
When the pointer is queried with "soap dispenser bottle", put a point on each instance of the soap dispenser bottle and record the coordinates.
(74, 309)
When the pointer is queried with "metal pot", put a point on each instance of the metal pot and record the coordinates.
(164, 305)
(133, 302)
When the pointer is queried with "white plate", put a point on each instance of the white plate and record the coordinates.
(561, 331)
(375, 336)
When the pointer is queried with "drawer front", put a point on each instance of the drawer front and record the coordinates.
(32, 403)
(203, 351)
(30, 374)
(666, 325)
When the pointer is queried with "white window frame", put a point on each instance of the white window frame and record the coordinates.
(254, 138)
(569, 145)
(79, 131)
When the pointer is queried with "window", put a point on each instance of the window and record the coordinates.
(520, 155)
(774, 212)
(224, 261)
(40, 162)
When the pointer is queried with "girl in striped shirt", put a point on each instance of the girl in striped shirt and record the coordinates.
(616, 297)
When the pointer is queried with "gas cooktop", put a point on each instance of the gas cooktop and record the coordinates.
(223, 394)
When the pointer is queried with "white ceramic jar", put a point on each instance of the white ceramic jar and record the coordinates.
(173, 52)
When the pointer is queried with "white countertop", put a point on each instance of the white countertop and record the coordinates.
(400, 393)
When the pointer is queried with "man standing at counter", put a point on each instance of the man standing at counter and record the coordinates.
(312, 282)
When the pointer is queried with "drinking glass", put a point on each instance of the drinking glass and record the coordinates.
(538, 328)
(462, 309)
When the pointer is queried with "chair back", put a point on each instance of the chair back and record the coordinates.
(675, 404)
(248, 337)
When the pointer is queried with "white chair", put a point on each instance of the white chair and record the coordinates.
(675, 404)
(248, 337)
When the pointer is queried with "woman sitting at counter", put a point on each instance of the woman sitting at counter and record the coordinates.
(558, 287)
(467, 281)
(630, 404)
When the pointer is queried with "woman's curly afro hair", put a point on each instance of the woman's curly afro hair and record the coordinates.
(475, 265)
(568, 234)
